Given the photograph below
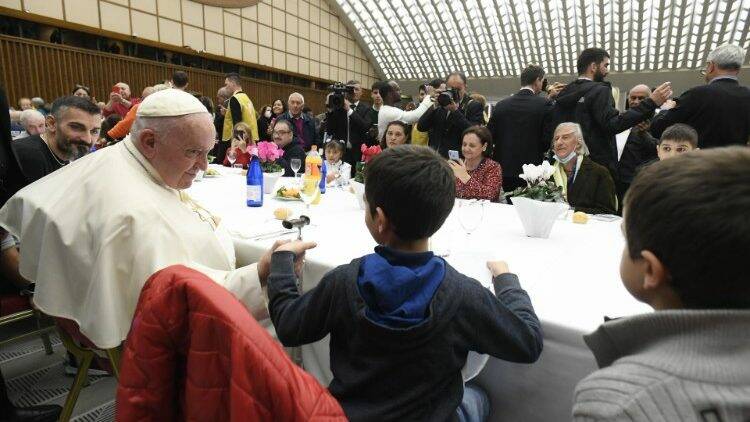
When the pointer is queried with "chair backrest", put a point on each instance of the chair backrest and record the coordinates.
(195, 353)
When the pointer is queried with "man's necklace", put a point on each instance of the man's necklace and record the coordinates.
(52, 152)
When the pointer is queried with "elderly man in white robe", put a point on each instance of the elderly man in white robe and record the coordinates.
(93, 232)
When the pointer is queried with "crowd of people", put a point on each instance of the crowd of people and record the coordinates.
(397, 353)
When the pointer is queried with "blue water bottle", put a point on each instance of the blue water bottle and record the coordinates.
(254, 182)
(323, 174)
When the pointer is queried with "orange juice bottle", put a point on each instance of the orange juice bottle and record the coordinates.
(313, 163)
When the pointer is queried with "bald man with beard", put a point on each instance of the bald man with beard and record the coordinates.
(635, 146)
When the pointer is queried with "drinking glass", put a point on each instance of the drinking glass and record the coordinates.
(231, 156)
(308, 191)
(296, 164)
(470, 214)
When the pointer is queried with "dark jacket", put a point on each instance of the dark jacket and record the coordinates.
(590, 104)
(473, 110)
(718, 111)
(359, 124)
(263, 123)
(521, 134)
(593, 190)
(444, 128)
(11, 178)
(640, 148)
(292, 150)
(308, 128)
(383, 371)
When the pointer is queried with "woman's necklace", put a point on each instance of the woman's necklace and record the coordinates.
(52, 152)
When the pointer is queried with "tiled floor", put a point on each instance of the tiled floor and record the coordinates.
(32, 377)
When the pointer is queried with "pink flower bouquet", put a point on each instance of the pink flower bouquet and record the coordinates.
(268, 153)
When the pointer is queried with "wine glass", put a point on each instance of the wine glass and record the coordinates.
(296, 164)
(470, 214)
(308, 191)
(231, 157)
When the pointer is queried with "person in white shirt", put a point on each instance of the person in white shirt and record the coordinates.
(391, 94)
(94, 231)
(339, 172)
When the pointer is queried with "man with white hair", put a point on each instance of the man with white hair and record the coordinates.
(138, 220)
(720, 110)
(32, 122)
(302, 125)
(586, 185)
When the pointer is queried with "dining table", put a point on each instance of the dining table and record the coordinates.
(572, 278)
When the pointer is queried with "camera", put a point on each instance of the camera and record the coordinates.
(338, 92)
(448, 96)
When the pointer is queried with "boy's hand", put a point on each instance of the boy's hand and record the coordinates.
(297, 247)
(498, 267)
(264, 264)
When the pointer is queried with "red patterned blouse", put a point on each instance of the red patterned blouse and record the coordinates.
(485, 182)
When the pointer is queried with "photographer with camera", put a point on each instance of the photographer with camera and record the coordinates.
(446, 121)
(347, 118)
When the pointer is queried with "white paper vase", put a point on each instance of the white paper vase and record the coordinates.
(538, 217)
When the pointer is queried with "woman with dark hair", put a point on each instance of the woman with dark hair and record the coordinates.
(264, 121)
(396, 133)
(278, 108)
(81, 91)
(477, 177)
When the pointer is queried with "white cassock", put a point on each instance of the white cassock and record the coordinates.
(93, 232)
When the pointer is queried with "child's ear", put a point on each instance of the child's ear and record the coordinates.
(655, 273)
(382, 224)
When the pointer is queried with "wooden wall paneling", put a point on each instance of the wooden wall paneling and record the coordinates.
(35, 68)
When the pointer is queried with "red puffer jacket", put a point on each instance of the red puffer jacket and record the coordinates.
(195, 353)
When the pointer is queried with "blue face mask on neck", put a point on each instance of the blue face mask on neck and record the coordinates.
(566, 159)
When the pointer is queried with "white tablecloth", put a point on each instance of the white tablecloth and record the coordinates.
(572, 278)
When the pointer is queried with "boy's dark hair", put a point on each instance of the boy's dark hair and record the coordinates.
(374, 86)
(234, 77)
(691, 211)
(179, 79)
(588, 56)
(680, 132)
(63, 103)
(415, 188)
(531, 74)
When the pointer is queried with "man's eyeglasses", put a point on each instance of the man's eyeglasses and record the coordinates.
(281, 132)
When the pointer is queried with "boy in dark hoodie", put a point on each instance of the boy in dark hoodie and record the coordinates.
(402, 320)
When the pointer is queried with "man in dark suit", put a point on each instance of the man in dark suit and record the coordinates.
(521, 128)
(588, 101)
(720, 110)
(359, 124)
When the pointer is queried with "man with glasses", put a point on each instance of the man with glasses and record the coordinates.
(283, 137)
(720, 110)
(93, 233)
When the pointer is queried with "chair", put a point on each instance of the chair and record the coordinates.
(195, 353)
(85, 352)
(15, 308)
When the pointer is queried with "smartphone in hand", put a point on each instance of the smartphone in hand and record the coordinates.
(453, 155)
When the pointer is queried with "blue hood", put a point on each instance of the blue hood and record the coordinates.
(397, 287)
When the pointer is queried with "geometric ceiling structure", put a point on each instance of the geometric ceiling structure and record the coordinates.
(420, 39)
